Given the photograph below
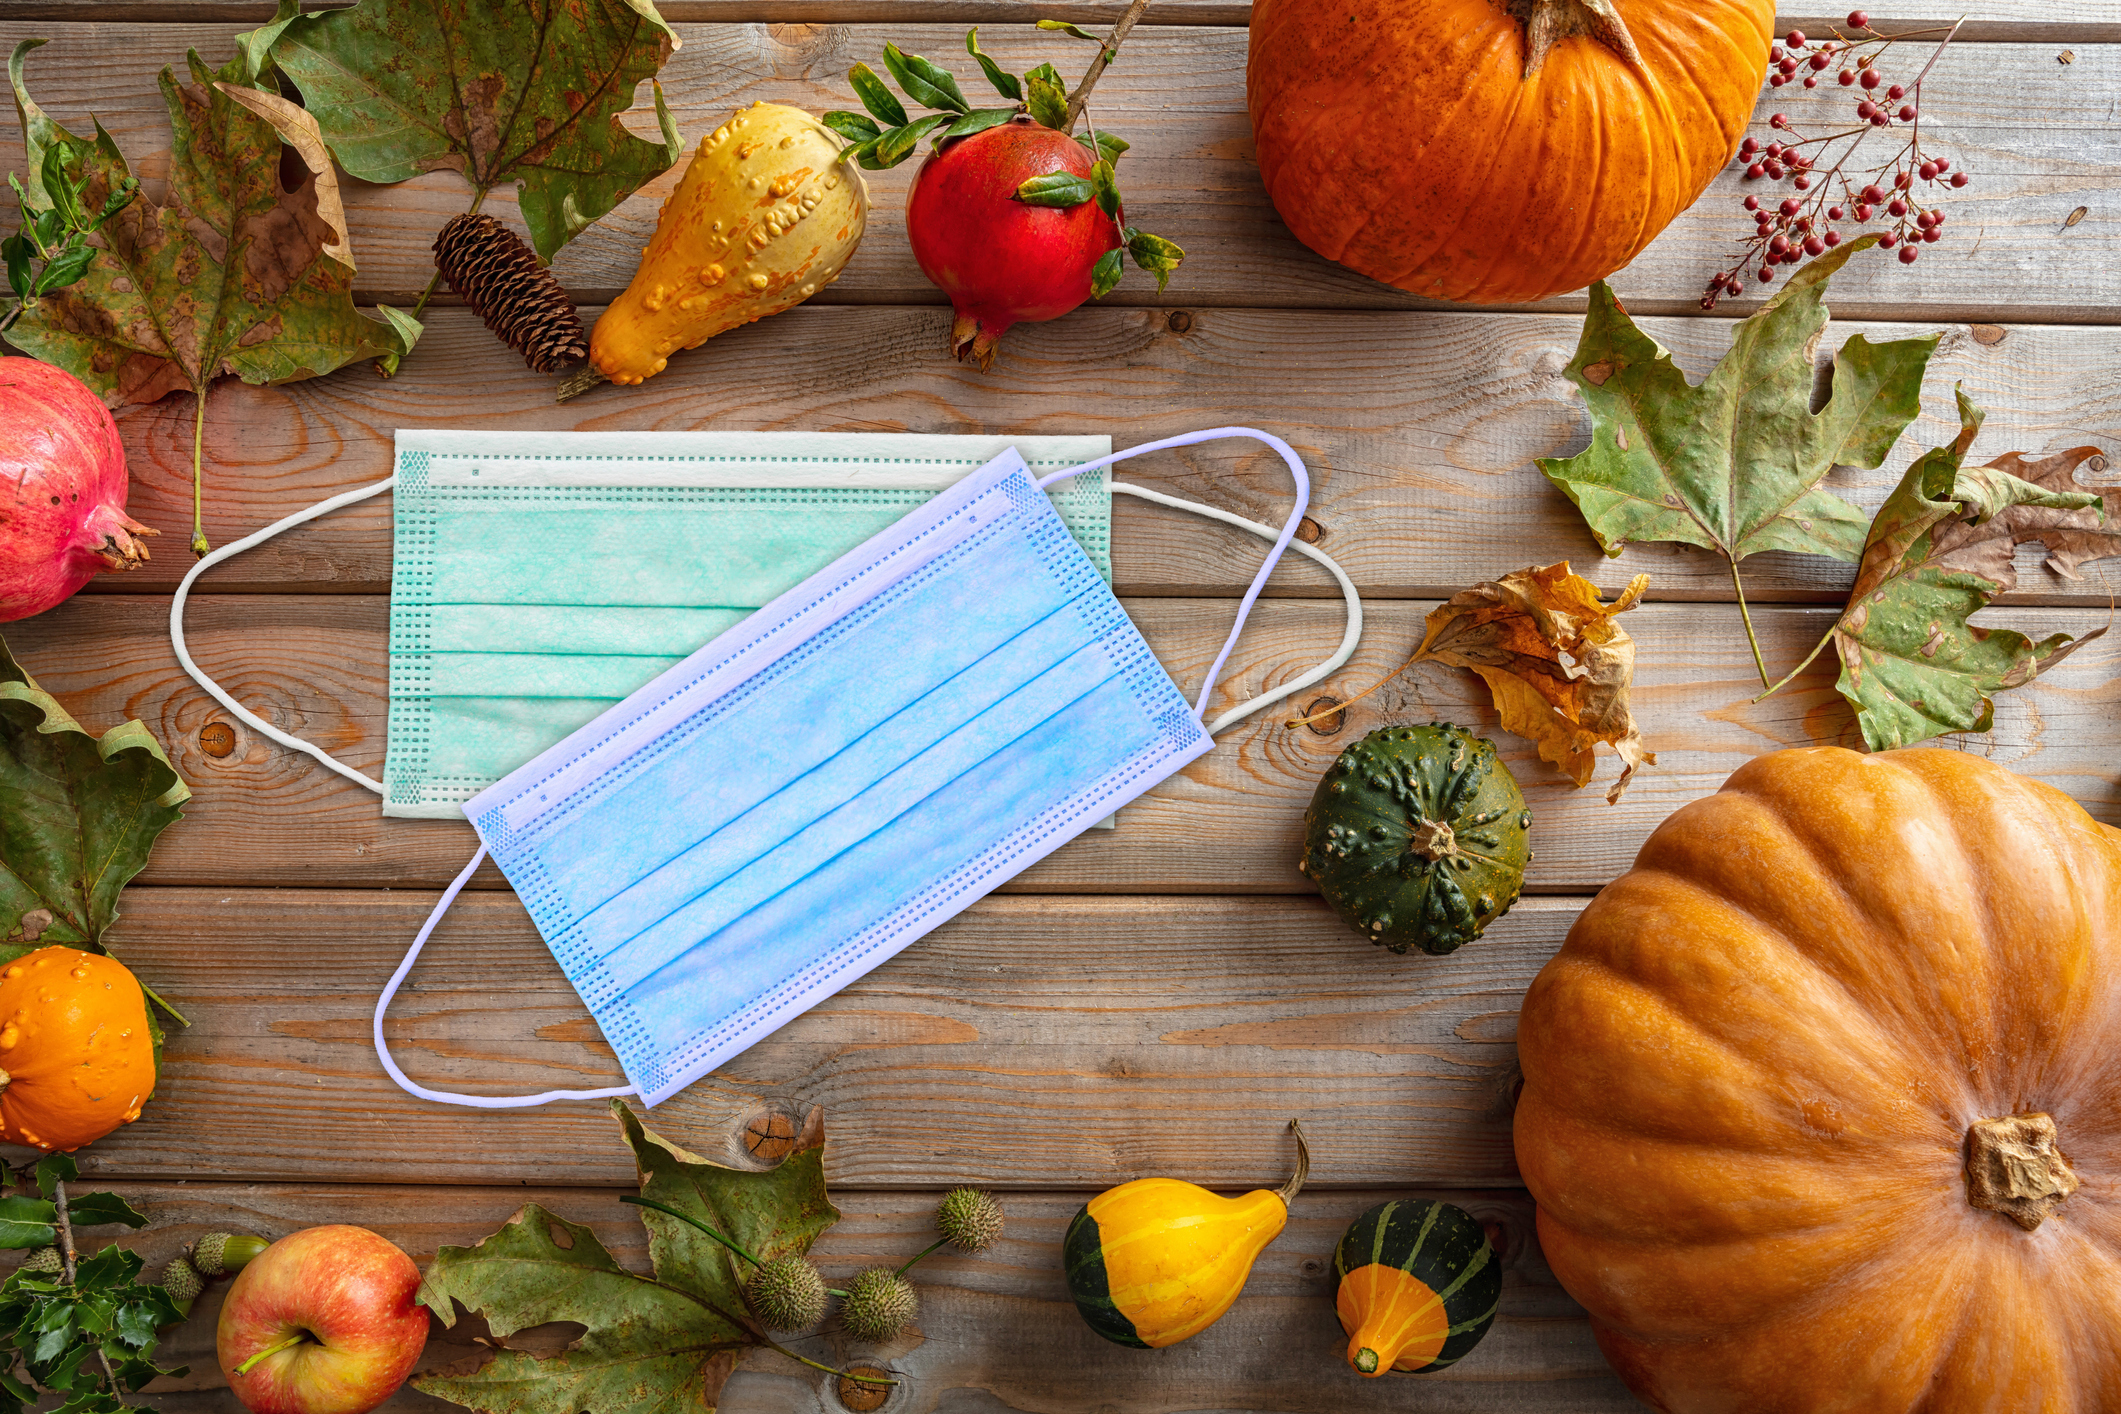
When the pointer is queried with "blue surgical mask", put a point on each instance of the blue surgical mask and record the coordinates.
(841, 772)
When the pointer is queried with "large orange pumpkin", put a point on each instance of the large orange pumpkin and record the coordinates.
(1497, 152)
(1822, 1101)
(77, 1056)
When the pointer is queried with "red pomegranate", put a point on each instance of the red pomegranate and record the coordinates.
(1003, 261)
(62, 489)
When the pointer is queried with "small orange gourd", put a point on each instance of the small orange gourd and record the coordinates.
(77, 1055)
(766, 216)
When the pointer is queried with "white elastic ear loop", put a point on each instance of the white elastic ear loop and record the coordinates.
(1266, 568)
(1348, 640)
(213, 689)
(449, 1097)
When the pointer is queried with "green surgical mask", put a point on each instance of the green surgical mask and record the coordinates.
(538, 578)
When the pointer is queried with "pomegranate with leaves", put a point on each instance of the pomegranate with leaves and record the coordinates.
(62, 489)
(1015, 217)
(1001, 260)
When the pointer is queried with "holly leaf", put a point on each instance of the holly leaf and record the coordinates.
(78, 815)
(1734, 465)
(99, 1209)
(235, 274)
(664, 1343)
(523, 91)
(1939, 550)
(27, 1222)
(1558, 666)
(1005, 83)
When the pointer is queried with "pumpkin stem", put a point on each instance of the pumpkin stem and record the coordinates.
(1288, 1191)
(2014, 1168)
(1366, 1361)
(1548, 22)
(5, 1080)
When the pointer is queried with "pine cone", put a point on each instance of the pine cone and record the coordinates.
(504, 284)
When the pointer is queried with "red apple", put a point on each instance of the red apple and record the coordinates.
(339, 1302)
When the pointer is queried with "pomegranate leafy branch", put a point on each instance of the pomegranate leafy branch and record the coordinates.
(887, 135)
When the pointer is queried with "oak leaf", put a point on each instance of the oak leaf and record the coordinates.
(233, 274)
(665, 1342)
(1940, 548)
(1557, 664)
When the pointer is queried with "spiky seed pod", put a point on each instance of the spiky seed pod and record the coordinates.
(183, 1283)
(223, 1253)
(786, 1293)
(970, 1218)
(880, 1303)
(44, 1259)
(506, 286)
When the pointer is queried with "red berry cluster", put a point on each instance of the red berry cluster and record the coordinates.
(1802, 225)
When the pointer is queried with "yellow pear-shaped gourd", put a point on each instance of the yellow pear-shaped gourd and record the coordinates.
(766, 216)
(1157, 1260)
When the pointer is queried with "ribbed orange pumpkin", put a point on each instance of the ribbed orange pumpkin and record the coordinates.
(1822, 1101)
(1456, 150)
(77, 1058)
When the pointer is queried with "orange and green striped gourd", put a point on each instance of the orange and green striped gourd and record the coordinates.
(1416, 1286)
(1157, 1260)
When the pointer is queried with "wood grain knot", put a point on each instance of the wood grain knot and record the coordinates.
(1178, 321)
(769, 1135)
(1331, 721)
(1310, 531)
(1988, 335)
(217, 739)
(862, 1397)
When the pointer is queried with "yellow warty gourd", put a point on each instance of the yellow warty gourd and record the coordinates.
(765, 217)
(1154, 1261)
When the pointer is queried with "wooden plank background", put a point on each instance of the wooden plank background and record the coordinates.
(1160, 999)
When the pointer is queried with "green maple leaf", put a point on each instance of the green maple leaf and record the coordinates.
(235, 274)
(652, 1345)
(78, 815)
(1939, 550)
(528, 91)
(1734, 464)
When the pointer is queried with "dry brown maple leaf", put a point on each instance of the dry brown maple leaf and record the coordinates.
(2071, 537)
(1557, 664)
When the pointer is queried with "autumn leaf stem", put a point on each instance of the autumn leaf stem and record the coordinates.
(1759, 664)
(1816, 650)
(925, 1251)
(771, 1344)
(730, 1243)
(199, 546)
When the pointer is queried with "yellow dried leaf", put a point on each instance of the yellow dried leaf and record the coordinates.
(1558, 666)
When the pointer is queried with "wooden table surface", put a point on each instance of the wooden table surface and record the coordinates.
(1155, 1000)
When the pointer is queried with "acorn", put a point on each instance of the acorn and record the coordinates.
(786, 1293)
(880, 1303)
(222, 1253)
(183, 1283)
(44, 1259)
(970, 1219)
